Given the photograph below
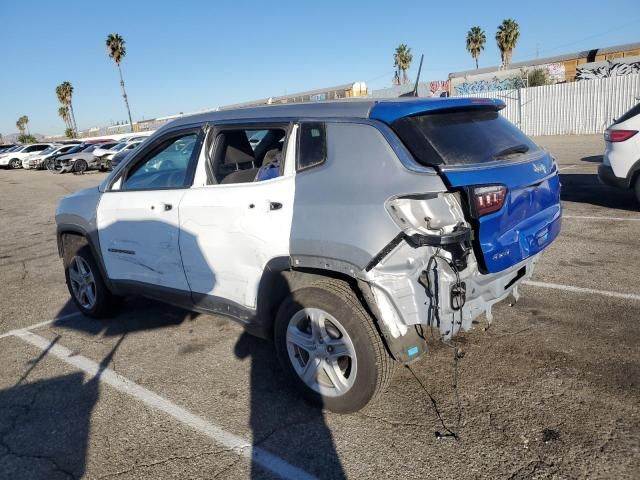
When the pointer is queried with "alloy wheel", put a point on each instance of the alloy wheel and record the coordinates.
(321, 352)
(83, 282)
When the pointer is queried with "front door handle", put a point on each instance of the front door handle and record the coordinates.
(165, 206)
(275, 205)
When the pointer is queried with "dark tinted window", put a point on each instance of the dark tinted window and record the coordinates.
(462, 137)
(312, 145)
(630, 114)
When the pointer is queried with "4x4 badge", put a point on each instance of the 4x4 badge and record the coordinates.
(539, 168)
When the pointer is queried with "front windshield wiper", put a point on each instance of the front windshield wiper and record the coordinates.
(510, 151)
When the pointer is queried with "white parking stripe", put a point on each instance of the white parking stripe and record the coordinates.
(241, 446)
(41, 324)
(585, 217)
(568, 167)
(571, 288)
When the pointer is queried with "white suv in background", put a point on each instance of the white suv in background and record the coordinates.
(14, 159)
(621, 162)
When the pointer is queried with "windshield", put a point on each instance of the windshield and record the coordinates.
(630, 114)
(77, 148)
(117, 147)
(90, 148)
(462, 137)
(52, 148)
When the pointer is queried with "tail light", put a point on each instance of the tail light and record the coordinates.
(618, 135)
(489, 199)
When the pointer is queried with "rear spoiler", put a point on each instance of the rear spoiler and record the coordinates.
(390, 111)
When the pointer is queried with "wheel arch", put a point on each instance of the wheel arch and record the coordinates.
(72, 233)
(280, 278)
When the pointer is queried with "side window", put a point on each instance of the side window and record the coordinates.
(312, 145)
(164, 167)
(248, 155)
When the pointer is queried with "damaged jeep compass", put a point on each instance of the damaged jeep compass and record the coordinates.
(345, 231)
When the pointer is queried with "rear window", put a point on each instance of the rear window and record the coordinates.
(462, 137)
(630, 114)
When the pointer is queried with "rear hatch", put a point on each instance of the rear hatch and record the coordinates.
(511, 185)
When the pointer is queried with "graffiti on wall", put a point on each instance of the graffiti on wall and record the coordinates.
(480, 86)
(556, 72)
(606, 69)
(439, 88)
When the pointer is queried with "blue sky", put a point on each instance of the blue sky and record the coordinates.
(192, 55)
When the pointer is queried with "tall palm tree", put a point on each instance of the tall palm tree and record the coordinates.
(64, 92)
(506, 37)
(63, 112)
(475, 42)
(402, 59)
(117, 51)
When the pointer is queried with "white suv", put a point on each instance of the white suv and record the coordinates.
(14, 159)
(621, 161)
(347, 232)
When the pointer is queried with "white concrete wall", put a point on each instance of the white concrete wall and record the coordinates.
(576, 108)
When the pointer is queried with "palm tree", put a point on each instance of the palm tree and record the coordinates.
(117, 51)
(475, 42)
(506, 37)
(402, 61)
(64, 92)
(63, 112)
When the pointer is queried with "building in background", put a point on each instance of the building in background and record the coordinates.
(349, 90)
(583, 65)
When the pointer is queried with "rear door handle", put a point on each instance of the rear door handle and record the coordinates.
(275, 205)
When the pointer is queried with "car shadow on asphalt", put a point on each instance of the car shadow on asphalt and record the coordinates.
(45, 424)
(281, 421)
(586, 188)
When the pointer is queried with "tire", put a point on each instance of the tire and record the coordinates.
(361, 374)
(636, 188)
(14, 164)
(80, 166)
(78, 260)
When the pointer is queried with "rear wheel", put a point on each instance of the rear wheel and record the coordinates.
(636, 188)
(15, 163)
(328, 345)
(85, 283)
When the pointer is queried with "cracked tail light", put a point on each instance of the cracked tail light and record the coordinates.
(488, 199)
(618, 135)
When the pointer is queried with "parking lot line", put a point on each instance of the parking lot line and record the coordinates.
(233, 442)
(11, 333)
(587, 217)
(571, 288)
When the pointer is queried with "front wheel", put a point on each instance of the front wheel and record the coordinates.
(329, 346)
(85, 283)
(80, 166)
(14, 163)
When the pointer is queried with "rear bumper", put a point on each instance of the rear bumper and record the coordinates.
(606, 176)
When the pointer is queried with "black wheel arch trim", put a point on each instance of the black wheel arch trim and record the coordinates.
(94, 245)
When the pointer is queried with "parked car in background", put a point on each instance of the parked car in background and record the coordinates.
(122, 154)
(82, 160)
(106, 154)
(38, 161)
(620, 165)
(6, 147)
(25, 161)
(14, 158)
(349, 233)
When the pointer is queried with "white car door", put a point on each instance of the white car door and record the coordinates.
(137, 218)
(230, 231)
